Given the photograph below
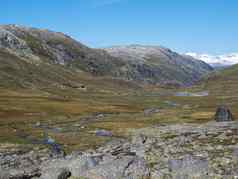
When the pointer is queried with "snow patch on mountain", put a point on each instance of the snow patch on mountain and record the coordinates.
(217, 60)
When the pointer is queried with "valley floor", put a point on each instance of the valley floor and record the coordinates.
(72, 120)
(170, 127)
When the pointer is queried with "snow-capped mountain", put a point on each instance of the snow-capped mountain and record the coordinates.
(217, 61)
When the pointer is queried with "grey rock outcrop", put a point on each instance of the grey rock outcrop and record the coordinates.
(76, 165)
(126, 167)
(18, 174)
(56, 173)
(188, 166)
(15, 45)
(103, 166)
(20, 164)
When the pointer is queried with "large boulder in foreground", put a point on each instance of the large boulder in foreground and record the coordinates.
(56, 173)
(188, 166)
(127, 167)
(223, 114)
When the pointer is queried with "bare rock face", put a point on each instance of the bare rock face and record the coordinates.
(223, 114)
(188, 166)
(56, 173)
(9, 40)
(21, 164)
(126, 167)
(15, 45)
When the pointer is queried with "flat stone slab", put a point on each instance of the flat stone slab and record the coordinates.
(188, 166)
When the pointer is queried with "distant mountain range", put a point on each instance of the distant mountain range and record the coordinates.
(33, 57)
(217, 61)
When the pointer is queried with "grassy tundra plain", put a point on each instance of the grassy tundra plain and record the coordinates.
(70, 115)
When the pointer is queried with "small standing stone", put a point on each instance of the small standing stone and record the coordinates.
(223, 114)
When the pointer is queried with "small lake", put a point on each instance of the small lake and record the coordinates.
(198, 94)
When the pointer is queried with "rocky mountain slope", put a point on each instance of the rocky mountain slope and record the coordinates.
(160, 64)
(38, 45)
(32, 52)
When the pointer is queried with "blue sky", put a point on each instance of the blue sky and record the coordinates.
(202, 26)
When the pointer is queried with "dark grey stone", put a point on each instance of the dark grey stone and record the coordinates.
(223, 114)
(148, 112)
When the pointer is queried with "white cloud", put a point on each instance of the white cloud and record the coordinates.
(217, 60)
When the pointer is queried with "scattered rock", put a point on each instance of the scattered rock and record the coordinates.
(223, 114)
(148, 112)
(56, 149)
(38, 124)
(163, 151)
(99, 115)
(74, 85)
(171, 103)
